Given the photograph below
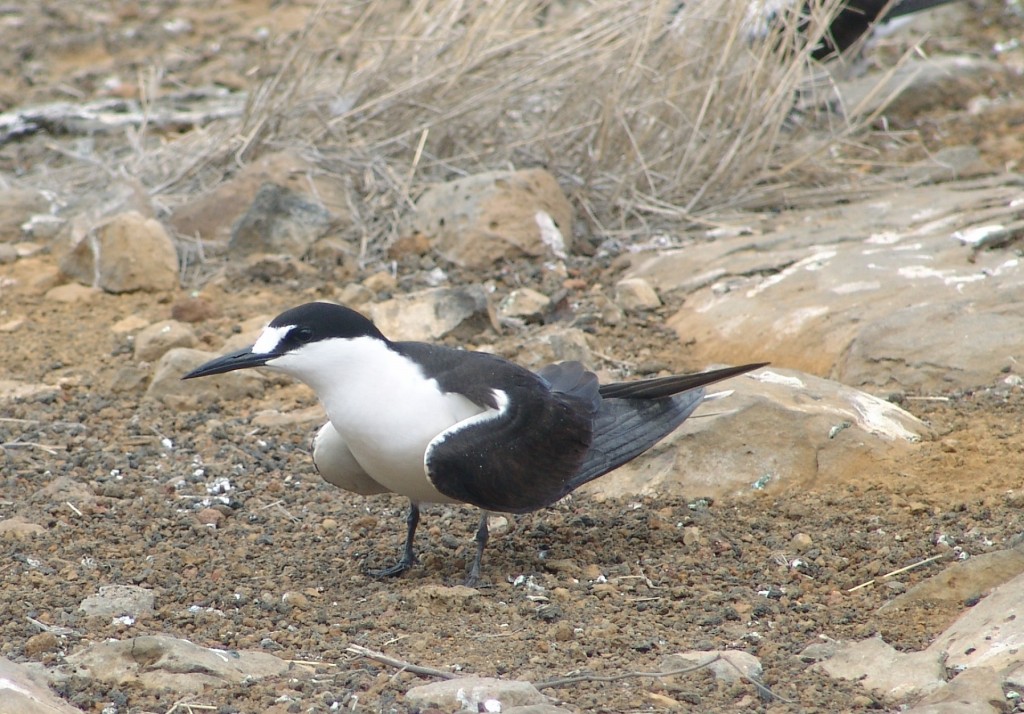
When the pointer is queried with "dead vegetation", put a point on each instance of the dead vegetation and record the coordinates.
(646, 112)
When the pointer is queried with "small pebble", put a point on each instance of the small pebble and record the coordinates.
(210, 517)
(41, 643)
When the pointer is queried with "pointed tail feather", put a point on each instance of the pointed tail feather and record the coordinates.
(634, 416)
(660, 387)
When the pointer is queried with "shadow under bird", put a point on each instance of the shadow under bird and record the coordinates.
(443, 425)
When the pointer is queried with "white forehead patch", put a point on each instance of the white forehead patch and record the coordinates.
(270, 338)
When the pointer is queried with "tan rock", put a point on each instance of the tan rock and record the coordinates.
(154, 340)
(127, 253)
(481, 219)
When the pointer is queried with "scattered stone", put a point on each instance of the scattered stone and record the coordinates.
(536, 709)
(193, 310)
(17, 528)
(383, 281)
(433, 314)
(801, 542)
(555, 343)
(990, 634)
(210, 517)
(43, 227)
(291, 418)
(878, 667)
(117, 600)
(663, 701)
(168, 387)
(11, 389)
(411, 244)
(129, 378)
(42, 643)
(129, 324)
(153, 341)
(524, 304)
(443, 595)
(127, 253)
(12, 325)
(730, 665)
(478, 220)
(474, 694)
(353, 295)
(280, 220)
(24, 694)
(636, 295)
(160, 661)
(295, 599)
(72, 294)
(17, 206)
(8, 253)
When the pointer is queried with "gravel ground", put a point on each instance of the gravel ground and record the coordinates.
(119, 483)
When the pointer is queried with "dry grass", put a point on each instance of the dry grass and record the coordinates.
(645, 113)
(637, 110)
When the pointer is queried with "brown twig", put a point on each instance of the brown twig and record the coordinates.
(401, 664)
(577, 678)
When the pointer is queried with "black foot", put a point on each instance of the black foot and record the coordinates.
(409, 555)
(391, 571)
(473, 576)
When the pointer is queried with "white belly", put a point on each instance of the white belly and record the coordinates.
(388, 423)
(390, 443)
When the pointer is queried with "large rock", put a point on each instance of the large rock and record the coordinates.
(127, 253)
(964, 580)
(211, 215)
(433, 314)
(24, 694)
(153, 341)
(880, 668)
(776, 426)
(474, 694)
(117, 600)
(990, 634)
(163, 662)
(279, 220)
(923, 84)
(876, 292)
(976, 691)
(478, 220)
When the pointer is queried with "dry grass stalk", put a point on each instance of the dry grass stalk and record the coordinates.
(633, 105)
(645, 111)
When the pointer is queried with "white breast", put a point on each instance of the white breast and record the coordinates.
(382, 406)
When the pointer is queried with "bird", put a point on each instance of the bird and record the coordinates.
(438, 424)
(855, 18)
(848, 20)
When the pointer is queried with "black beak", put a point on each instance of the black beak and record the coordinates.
(228, 363)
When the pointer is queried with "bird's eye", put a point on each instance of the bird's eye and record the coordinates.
(303, 334)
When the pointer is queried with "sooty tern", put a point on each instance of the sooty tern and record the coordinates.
(442, 425)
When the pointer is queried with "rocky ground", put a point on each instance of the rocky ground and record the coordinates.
(203, 507)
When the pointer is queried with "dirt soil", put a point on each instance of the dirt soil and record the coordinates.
(117, 480)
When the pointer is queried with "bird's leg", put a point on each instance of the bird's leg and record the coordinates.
(409, 556)
(481, 541)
